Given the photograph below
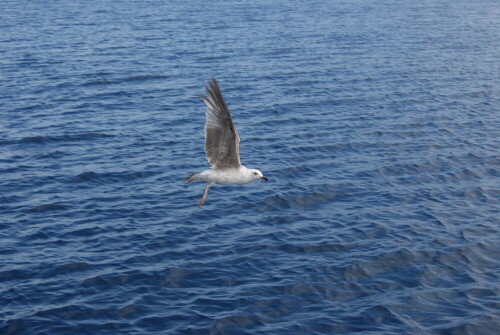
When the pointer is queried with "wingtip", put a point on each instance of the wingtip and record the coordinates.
(213, 84)
(214, 95)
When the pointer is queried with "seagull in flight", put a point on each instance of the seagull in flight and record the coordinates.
(221, 146)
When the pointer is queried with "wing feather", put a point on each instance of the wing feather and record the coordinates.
(221, 139)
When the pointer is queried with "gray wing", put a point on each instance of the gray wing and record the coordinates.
(221, 139)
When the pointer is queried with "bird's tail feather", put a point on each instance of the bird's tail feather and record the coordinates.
(191, 178)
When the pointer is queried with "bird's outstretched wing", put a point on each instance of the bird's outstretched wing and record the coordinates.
(221, 139)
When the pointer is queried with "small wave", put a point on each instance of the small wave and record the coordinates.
(380, 314)
(16, 274)
(130, 310)
(45, 208)
(74, 266)
(95, 281)
(290, 248)
(111, 176)
(145, 77)
(411, 168)
(54, 155)
(85, 176)
(334, 147)
(173, 277)
(68, 311)
(63, 138)
(99, 82)
(213, 58)
(309, 199)
(296, 171)
(230, 324)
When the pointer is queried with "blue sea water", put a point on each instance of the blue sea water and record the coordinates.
(377, 123)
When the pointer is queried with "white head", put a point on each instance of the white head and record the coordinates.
(256, 174)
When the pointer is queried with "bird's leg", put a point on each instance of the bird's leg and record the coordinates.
(205, 195)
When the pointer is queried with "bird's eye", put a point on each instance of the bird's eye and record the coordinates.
(255, 173)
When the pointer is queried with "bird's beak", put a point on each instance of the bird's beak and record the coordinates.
(265, 178)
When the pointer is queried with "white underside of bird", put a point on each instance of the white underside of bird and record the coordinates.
(240, 175)
(222, 146)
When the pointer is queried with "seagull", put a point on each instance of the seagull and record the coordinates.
(221, 146)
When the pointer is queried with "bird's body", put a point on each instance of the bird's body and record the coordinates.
(231, 176)
(222, 146)
(240, 175)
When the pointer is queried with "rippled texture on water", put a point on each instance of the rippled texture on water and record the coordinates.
(377, 123)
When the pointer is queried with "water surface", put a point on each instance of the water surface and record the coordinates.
(377, 123)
